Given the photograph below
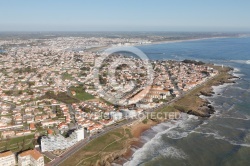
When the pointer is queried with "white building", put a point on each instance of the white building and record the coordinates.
(30, 157)
(7, 159)
(58, 142)
(116, 116)
(128, 113)
(79, 134)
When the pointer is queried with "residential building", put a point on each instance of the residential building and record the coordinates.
(30, 157)
(7, 159)
(58, 142)
(126, 113)
(116, 116)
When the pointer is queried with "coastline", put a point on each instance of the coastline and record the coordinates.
(102, 48)
(229, 78)
(184, 40)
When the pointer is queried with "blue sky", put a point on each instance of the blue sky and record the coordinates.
(125, 15)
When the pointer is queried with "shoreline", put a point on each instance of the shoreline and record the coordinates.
(102, 48)
(184, 40)
(230, 79)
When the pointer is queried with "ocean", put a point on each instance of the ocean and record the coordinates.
(224, 138)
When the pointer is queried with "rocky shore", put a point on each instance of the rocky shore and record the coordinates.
(191, 103)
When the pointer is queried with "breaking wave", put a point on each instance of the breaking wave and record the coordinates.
(241, 61)
(156, 147)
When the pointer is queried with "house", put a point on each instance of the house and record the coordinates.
(106, 122)
(32, 126)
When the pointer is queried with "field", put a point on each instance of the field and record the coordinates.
(62, 96)
(67, 76)
(81, 94)
(108, 144)
(17, 144)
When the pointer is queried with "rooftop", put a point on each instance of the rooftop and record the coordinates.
(34, 153)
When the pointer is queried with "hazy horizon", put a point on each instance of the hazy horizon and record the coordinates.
(159, 15)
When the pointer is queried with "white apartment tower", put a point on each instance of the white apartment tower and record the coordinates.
(58, 142)
(7, 159)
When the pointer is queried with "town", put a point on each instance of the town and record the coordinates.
(50, 99)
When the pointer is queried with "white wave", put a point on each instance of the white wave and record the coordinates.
(235, 118)
(241, 129)
(172, 152)
(240, 88)
(133, 149)
(241, 61)
(193, 117)
(217, 136)
(145, 138)
(214, 134)
(247, 116)
(238, 74)
(231, 108)
(205, 123)
(114, 164)
(236, 70)
(156, 146)
(239, 144)
(220, 88)
(157, 129)
(228, 97)
(153, 152)
(176, 135)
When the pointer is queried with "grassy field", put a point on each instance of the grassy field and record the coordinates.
(67, 76)
(167, 109)
(18, 144)
(81, 94)
(100, 147)
(62, 96)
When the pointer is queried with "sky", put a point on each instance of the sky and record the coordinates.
(125, 15)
